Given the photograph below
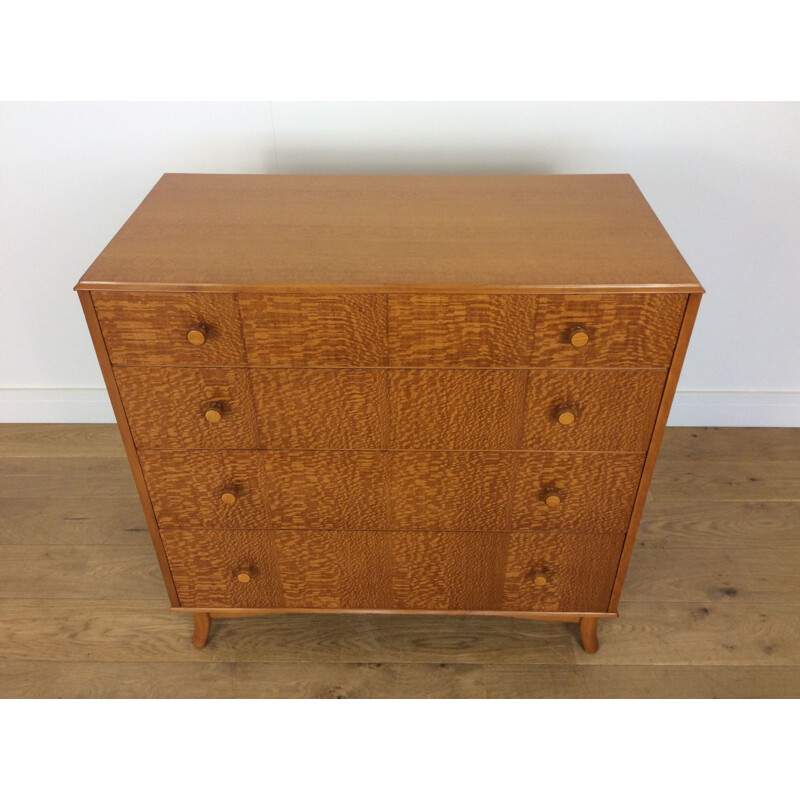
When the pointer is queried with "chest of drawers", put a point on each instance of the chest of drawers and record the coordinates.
(408, 394)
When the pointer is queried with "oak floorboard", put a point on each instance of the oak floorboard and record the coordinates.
(72, 521)
(730, 444)
(719, 574)
(744, 479)
(80, 572)
(712, 524)
(66, 477)
(54, 440)
(708, 610)
(81, 630)
(518, 681)
(701, 634)
(324, 680)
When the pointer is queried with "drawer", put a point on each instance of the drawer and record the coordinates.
(607, 330)
(188, 407)
(380, 490)
(393, 569)
(394, 409)
(314, 330)
(180, 328)
(591, 409)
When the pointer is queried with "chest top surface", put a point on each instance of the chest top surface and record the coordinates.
(393, 233)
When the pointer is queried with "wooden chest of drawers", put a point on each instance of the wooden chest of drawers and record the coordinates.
(410, 394)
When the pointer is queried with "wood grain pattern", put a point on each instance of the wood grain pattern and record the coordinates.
(630, 331)
(597, 491)
(95, 331)
(392, 232)
(326, 489)
(404, 490)
(732, 481)
(150, 328)
(711, 523)
(393, 569)
(464, 331)
(472, 409)
(321, 409)
(186, 487)
(53, 440)
(74, 571)
(731, 444)
(379, 680)
(614, 409)
(57, 520)
(133, 647)
(450, 491)
(679, 353)
(314, 331)
(166, 407)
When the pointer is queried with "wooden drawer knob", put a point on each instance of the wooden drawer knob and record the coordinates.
(578, 336)
(552, 498)
(229, 495)
(244, 574)
(539, 580)
(197, 334)
(213, 412)
(565, 415)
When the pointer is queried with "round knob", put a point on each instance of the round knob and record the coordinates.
(197, 333)
(578, 336)
(228, 495)
(244, 574)
(213, 412)
(552, 498)
(565, 415)
(539, 580)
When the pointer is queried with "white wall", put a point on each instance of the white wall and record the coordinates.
(723, 178)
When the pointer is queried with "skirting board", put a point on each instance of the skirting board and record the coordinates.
(715, 409)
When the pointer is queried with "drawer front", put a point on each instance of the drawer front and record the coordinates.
(187, 407)
(374, 330)
(379, 490)
(193, 329)
(314, 330)
(594, 409)
(393, 569)
(393, 409)
(622, 330)
(461, 331)
(595, 491)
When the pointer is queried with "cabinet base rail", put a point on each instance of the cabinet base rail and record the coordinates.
(587, 622)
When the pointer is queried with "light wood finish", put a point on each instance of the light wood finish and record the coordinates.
(533, 233)
(197, 334)
(692, 305)
(150, 328)
(202, 626)
(588, 631)
(89, 310)
(395, 409)
(684, 639)
(578, 336)
(380, 490)
(464, 570)
(309, 441)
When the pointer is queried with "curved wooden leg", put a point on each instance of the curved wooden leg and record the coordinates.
(202, 625)
(588, 629)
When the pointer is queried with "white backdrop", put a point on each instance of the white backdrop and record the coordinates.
(724, 178)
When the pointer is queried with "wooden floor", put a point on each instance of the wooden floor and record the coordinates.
(710, 607)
